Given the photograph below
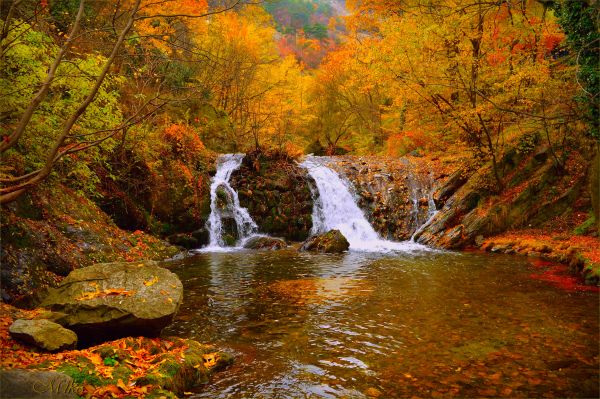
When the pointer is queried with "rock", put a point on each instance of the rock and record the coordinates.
(201, 235)
(186, 241)
(113, 300)
(452, 184)
(229, 240)
(264, 242)
(184, 372)
(278, 197)
(479, 240)
(19, 384)
(44, 334)
(229, 230)
(331, 242)
(224, 196)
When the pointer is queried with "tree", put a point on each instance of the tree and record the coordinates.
(125, 23)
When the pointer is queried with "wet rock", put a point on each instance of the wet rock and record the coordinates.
(20, 384)
(331, 242)
(112, 300)
(263, 242)
(224, 196)
(202, 236)
(44, 334)
(229, 230)
(278, 197)
(229, 240)
(451, 185)
(186, 241)
(193, 368)
(387, 192)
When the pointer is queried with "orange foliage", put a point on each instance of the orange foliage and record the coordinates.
(184, 141)
(157, 27)
(144, 355)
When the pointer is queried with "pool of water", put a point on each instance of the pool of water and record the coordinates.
(358, 325)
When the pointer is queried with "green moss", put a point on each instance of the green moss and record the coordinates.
(170, 368)
(586, 226)
(229, 240)
(81, 376)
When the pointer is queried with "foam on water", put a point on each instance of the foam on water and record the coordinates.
(335, 208)
(246, 227)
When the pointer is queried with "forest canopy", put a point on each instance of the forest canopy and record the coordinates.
(86, 84)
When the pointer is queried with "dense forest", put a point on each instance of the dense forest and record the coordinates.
(85, 84)
(459, 124)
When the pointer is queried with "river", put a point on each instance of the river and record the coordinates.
(397, 324)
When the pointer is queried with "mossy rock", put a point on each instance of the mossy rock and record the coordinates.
(43, 334)
(265, 243)
(113, 300)
(331, 242)
(179, 374)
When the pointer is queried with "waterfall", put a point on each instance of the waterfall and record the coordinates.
(418, 189)
(431, 211)
(335, 208)
(225, 205)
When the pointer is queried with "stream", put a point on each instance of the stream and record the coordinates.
(385, 319)
(364, 324)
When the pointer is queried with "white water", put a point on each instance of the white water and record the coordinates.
(335, 208)
(246, 227)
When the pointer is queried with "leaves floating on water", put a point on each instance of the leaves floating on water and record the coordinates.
(315, 290)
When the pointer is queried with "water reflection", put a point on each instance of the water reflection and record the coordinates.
(362, 324)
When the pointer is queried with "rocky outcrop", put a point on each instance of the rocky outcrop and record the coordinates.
(113, 300)
(331, 242)
(276, 192)
(536, 191)
(34, 384)
(264, 242)
(393, 193)
(167, 197)
(44, 334)
(53, 230)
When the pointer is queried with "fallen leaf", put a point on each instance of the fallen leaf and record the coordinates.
(151, 282)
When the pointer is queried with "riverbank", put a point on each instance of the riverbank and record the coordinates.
(580, 253)
(127, 367)
(49, 233)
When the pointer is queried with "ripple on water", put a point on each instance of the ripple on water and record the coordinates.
(341, 326)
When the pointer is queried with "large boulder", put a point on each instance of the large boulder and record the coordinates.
(112, 300)
(276, 191)
(44, 334)
(331, 242)
(264, 242)
(19, 384)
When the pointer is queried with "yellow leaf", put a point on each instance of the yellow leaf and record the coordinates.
(95, 359)
(210, 359)
(122, 385)
(151, 282)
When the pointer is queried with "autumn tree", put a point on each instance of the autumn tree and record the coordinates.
(96, 28)
(485, 73)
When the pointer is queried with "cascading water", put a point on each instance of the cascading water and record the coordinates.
(431, 211)
(335, 208)
(224, 203)
(420, 189)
